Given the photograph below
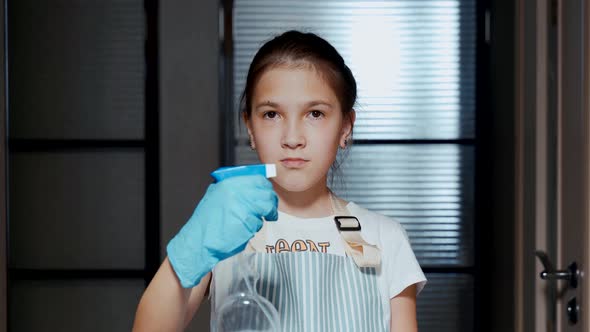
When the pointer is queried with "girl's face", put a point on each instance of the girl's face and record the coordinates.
(297, 123)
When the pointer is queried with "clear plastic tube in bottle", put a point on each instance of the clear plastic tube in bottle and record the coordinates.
(244, 310)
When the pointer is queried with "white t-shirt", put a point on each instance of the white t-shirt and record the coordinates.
(399, 267)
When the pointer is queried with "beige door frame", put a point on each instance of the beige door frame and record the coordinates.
(531, 173)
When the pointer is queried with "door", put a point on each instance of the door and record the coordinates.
(553, 166)
(573, 163)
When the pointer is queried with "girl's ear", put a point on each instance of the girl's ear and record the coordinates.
(249, 128)
(347, 125)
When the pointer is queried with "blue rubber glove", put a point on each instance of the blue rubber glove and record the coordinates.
(225, 220)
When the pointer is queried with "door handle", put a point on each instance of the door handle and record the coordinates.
(550, 273)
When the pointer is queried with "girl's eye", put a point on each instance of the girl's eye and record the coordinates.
(316, 114)
(270, 114)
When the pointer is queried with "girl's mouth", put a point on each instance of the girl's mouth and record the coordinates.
(293, 162)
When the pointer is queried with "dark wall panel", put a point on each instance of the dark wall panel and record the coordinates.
(74, 306)
(76, 69)
(77, 210)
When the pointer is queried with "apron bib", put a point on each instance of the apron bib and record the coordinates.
(311, 291)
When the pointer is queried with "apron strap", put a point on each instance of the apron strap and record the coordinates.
(356, 247)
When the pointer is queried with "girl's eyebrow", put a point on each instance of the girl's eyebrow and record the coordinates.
(267, 103)
(318, 103)
(307, 105)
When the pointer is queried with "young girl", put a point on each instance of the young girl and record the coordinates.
(329, 275)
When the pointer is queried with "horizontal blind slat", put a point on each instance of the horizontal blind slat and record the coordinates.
(417, 55)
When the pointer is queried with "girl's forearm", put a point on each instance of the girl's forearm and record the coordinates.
(165, 303)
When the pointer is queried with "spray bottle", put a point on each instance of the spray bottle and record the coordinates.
(245, 310)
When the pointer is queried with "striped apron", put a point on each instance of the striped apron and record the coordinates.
(311, 291)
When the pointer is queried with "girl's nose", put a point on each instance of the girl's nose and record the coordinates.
(293, 136)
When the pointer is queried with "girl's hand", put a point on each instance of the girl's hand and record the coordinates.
(225, 220)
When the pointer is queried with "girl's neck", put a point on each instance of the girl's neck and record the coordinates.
(312, 203)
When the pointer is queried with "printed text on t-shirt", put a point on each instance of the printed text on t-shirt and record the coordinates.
(283, 245)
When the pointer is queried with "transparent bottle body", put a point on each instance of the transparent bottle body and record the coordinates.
(240, 308)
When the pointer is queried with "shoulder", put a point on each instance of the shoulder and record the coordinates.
(376, 225)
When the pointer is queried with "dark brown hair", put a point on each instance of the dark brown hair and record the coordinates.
(298, 49)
